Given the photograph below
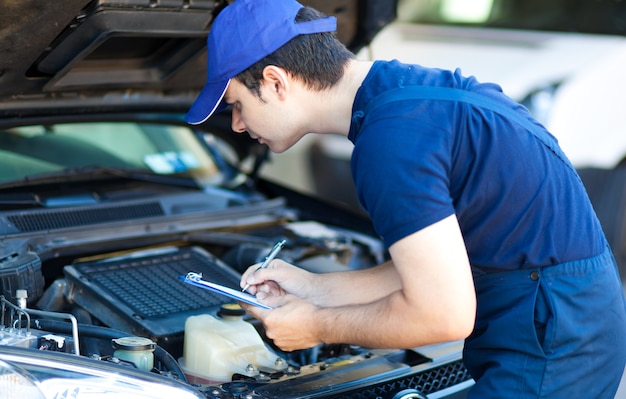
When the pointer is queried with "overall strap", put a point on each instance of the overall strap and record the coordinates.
(472, 98)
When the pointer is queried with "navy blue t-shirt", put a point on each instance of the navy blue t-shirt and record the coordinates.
(416, 162)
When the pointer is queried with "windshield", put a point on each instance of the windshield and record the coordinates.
(28, 151)
(581, 16)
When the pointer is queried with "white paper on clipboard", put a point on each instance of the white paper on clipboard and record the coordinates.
(196, 279)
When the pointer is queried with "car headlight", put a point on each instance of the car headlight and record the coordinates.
(47, 375)
(14, 383)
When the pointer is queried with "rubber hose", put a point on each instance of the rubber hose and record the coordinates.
(62, 327)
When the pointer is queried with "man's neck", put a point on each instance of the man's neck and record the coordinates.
(335, 105)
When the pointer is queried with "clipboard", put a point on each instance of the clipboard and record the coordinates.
(196, 279)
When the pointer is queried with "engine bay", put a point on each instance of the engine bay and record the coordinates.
(122, 307)
(113, 297)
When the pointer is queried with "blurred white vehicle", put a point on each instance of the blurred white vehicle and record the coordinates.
(564, 60)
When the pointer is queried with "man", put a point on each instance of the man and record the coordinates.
(490, 232)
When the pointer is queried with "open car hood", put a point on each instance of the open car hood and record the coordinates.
(103, 54)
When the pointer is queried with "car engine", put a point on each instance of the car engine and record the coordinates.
(130, 310)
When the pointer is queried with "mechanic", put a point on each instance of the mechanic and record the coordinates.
(490, 232)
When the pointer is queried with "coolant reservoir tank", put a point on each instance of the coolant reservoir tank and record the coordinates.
(137, 350)
(215, 348)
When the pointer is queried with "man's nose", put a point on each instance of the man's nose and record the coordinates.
(237, 123)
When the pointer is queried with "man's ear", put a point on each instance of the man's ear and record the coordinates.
(276, 80)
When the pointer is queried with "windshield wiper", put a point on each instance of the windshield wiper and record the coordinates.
(20, 199)
(85, 172)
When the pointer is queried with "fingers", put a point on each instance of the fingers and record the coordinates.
(285, 324)
(269, 300)
(253, 310)
(269, 289)
(254, 276)
(273, 301)
(279, 278)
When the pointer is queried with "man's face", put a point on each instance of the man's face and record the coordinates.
(266, 119)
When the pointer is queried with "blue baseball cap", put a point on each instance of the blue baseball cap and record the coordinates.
(242, 34)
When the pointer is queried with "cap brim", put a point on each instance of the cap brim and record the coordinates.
(208, 102)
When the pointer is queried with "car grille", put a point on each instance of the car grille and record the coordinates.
(426, 382)
(62, 219)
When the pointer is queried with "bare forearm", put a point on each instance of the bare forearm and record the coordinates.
(426, 296)
(346, 288)
(436, 301)
(390, 322)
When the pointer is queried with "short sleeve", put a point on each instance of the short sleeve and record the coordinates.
(401, 167)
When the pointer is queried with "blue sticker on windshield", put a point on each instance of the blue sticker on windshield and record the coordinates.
(189, 159)
(171, 162)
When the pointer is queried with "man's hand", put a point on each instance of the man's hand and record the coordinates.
(425, 296)
(286, 288)
(289, 325)
(278, 279)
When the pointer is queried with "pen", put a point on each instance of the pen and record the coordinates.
(279, 245)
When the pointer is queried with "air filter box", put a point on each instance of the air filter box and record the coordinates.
(21, 272)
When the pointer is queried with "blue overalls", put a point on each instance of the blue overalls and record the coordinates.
(552, 332)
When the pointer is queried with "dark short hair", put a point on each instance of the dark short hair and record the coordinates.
(316, 59)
